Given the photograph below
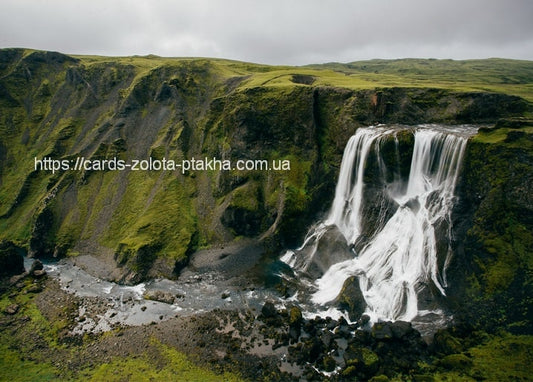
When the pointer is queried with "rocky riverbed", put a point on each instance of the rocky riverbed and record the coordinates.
(48, 324)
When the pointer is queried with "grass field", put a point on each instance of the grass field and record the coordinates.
(514, 77)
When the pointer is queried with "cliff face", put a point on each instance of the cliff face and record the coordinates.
(62, 107)
(492, 282)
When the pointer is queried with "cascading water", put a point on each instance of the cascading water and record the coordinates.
(408, 252)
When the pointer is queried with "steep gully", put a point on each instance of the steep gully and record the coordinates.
(398, 264)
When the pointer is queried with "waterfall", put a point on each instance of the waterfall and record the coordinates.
(409, 250)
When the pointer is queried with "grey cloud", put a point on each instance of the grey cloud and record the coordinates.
(277, 31)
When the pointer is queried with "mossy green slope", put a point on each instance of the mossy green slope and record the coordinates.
(65, 107)
(495, 258)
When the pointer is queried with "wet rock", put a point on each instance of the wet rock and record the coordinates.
(269, 310)
(365, 362)
(295, 316)
(294, 333)
(331, 323)
(37, 265)
(309, 327)
(159, 295)
(343, 331)
(38, 273)
(362, 337)
(382, 331)
(180, 265)
(311, 350)
(402, 329)
(365, 319)
(14, 280)
(226, 294)
(327, 338)
(330, 249)
(11, 309)
(351, 299)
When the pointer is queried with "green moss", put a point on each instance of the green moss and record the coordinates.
(175, 366)
(505, 357)
(246, 197)
(15, 368)
(164, 223)
(499, 135)
(25, 353)
(458, 362)
(295, 316)
(498, 245)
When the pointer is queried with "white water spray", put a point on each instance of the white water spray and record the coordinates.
(400, 260)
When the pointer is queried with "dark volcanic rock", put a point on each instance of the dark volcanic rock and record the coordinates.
(37, 265)
(11, 262)
(37, 269)
(351, 299)
(269, 310)
(402, 329)
(382, 331)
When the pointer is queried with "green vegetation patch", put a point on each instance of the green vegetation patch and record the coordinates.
(172, 366)
(15, 367)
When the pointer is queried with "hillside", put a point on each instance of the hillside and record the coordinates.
(132, 225)
(136, 107)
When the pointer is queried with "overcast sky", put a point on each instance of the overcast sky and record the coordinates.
(292, 32)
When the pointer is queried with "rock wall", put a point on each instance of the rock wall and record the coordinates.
(491, 276)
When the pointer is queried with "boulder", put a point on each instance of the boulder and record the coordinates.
(351, 299)
(365, 362)
(269, 310)
(12, 309)
(402, 329)
(39, 273)
(294, 333)
(37, 269)
(295, 316)
(226, 294)
(295, 323)
(159, 295)
(382, 331)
